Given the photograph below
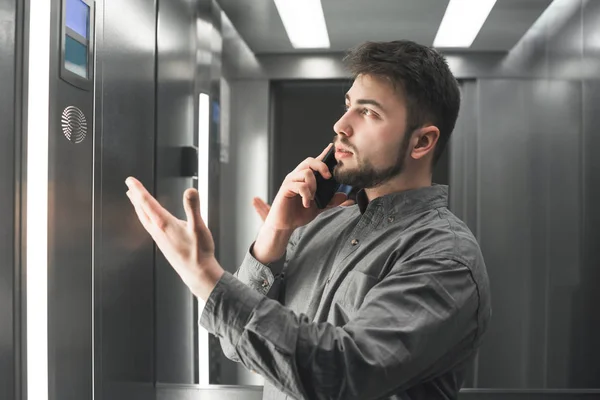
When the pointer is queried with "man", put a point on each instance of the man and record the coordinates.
(388, 298)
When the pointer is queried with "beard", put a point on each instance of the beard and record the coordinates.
(366, 176)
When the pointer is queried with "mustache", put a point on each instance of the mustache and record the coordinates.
(344, 142)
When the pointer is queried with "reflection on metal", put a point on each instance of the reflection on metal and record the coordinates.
(238, 58)
(74, 124)
(552, 21)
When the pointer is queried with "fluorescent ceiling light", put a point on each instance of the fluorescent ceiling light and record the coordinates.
(304, 23)
(462, 22)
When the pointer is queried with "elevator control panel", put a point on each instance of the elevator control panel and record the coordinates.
(77, 43)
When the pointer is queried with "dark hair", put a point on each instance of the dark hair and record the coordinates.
(431, 91)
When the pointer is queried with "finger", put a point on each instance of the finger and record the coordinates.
(260, 203)
(304, 184)
(152, 208)
(324, 152)
(305, 176)
(191, 205)
(146, 222)
(299, 188)
(260, 208)
(316, 164)
(313, 165)
(348, 203)
(263, 215)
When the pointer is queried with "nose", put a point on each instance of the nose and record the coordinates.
(343, 126)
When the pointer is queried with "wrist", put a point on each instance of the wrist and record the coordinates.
(205, 279)
(270, 244)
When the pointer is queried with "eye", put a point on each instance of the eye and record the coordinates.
(367, 112)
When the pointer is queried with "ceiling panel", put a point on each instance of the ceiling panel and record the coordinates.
(351, 22)
(507, 23)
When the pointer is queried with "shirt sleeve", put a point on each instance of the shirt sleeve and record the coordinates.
(263, 279)
(412, 326)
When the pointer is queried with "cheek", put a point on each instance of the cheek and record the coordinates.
(379, 150)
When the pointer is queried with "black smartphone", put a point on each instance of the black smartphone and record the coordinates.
(326, 188)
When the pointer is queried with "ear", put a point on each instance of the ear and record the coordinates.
(424, 141)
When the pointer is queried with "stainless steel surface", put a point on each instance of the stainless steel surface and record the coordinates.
(218, 392)
(245, 176)
(70, 180)
(500, 394)
(175, 118)
(238, 58)
(124, 252)
(260, 25)
(8, 260)
(533, 186)
(587, 323)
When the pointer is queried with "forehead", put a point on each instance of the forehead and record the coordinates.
(376, 88)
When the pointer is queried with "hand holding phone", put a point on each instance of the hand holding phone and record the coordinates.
(326, 188)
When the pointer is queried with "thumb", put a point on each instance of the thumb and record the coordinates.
(191, 204)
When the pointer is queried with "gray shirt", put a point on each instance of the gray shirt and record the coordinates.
(383, 299)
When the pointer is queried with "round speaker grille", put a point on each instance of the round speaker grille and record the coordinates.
(74, 124)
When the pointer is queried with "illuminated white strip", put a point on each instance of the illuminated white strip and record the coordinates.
(203, 148)
(304, 23)
(37, 199)
(462, 22)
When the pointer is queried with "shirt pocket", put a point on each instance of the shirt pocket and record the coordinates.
(353, 289)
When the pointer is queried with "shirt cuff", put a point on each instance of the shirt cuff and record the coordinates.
(256, 275)
(229, 308)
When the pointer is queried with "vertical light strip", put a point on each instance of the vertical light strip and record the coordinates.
(203, 161)
(37, 198)
(462, 22)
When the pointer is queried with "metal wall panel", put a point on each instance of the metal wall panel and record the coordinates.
(533, 183)
(70, 219)
(245, 176)
(124, 252)
(563, 150)
(218, 392)
(175, 113)
(8, 135)
(503, 223)
(585, 322)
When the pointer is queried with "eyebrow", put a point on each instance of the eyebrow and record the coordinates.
(367, 102)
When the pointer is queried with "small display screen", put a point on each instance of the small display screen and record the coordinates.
(78, 17)
(76, 57)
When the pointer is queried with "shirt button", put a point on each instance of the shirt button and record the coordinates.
(391, 219)
(265, 283)
(354, 242)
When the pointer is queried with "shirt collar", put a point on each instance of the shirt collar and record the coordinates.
(406, 202)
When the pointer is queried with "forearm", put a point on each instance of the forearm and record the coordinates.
(271, 244)
(393, 341)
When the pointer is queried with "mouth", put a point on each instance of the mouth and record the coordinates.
(342, 153)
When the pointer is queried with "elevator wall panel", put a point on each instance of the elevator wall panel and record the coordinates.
(176, 104)
(125, 294)
(8, 19)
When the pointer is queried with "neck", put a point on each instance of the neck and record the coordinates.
(402, 182)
